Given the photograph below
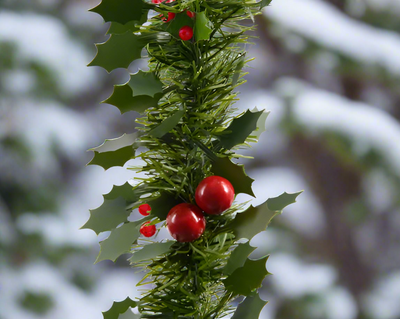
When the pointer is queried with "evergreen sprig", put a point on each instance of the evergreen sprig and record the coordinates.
(188, 131)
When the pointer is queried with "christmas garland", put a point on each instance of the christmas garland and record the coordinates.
(188, 137)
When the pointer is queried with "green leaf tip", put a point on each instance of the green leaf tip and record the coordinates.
(119, 307)
(167, 125)
(234, 173)
(244, 280)
(114, 152)
(202, 27)
(151, 251)
(250, 307)
(238, 257)
(122, 11)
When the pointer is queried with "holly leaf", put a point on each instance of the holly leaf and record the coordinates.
(161, 206)
(260, 124)
(119, 307)
(264, 3)
(129, 315)
(250, 308)
(120, 50)
(238, 257)
(120, 240)
(180, 20)
(130, 193)
(122, 11)
(244, 280)
(125, 101)
(234, 173)
(151, 251)
(145, 83)
(167, 125)
(108, 216)
(239, 129)
(256, 219)
(202, 27)
(114, 152)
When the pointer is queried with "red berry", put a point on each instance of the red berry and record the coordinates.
(214, 194)
(156, 1)
(171, 15)
(186, 222)
(145, 209)
(186, 33)
(147, 231)
(190, 14)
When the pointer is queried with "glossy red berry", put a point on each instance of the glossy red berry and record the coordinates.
(214, 194)
(145, 209)
(156, 1)
(186, 33)
(186, 222)
(147, 231)
(171, 16)
(190, 14)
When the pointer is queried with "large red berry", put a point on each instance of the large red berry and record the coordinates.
(190, 14)
(144, 209)
(186, 33)
(214, 194)
(171, 15)
(147, 231)
(186, 222)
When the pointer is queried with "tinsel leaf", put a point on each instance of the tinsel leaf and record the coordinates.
(145, 83)
(114, 152)
(161, 206)
(239, 129)
(124, 99)
(180, 20)
(238, 257)
(108, 216)
(119, 307)
(167, 125)
(202, 27)
(238, 69)
(120, 50)
(122, 11)
(120, 240)
(234, 173)
(250, 308)
(244, 280)
(260, 124)
(151, 251)
(256, 219)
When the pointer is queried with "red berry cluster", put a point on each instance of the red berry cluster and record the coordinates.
(186, 221)
(186, 32)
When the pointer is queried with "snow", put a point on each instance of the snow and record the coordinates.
(323, 23)
(45, 40)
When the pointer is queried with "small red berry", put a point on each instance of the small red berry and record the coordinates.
(186, 33)
(156, 1)
(169, 1)
(147, 231)
(144, 209)
(171, 15)
(214, 194)
(186, 222)
(190, 14)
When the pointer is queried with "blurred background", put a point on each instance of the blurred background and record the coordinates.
(329, 72)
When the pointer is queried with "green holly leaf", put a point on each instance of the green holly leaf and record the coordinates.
(120, 240)
(108, 216)
(161, 206)
(128, 192)
(120, 50)
(202, 27)
(238, 257)
(256, 219)
(114, 152)
(234, 173)
(145, 83)
(240, 128)
(260, 123)
(264, 3)
(129, 315)
(244, 280)
(151, 251)
(167, 125)
(122, 11)
(250, 308)
(180, 20)
(119, 307)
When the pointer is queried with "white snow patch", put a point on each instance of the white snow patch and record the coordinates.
(326, 25)
(340, 304)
